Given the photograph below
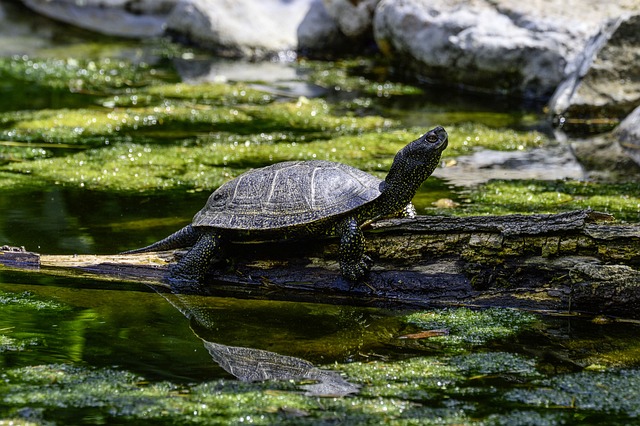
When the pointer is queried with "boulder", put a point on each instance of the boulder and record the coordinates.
(354, 18)
(125, 18)
(241, 28)
(318, 34)
(616, 154)
(605, 85)
(503, 46)
(627, 135)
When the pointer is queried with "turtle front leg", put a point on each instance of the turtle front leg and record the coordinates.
(354, 264)
(194, 265)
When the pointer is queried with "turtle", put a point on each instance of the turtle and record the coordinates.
(303, 199)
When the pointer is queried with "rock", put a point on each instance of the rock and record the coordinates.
(501, 46)
(549, 163)
(605, 85)
(354, 18)
(627, 135)
(318, 34)
(616, 154)
(125, 18)
(241, 28)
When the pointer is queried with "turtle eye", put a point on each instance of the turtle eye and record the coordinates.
(432, 138)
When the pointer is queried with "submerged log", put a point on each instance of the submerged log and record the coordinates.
(579, 261)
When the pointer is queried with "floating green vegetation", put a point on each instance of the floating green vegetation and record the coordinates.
(41, 322)
(10, 344)
(472, 327)
(29, 301)
(279, 132)
(108, 394)
(170, 121)
(346, 75)
(422, 390)
(211, 93)
(77, 75)
(467, 137)
(526, 196)
(613, 392)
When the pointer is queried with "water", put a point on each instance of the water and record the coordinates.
(80, 350)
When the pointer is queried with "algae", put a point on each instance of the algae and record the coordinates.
(523, 196)
(469, 327)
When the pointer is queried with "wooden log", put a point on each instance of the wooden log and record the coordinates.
(580, 261)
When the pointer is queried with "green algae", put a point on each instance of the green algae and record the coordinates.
(524, 196)
(102, 75)
(287, 131)
(421, 390)
(211, 131)
(211, 93)
(470, 327)
(614, 391)
(347, 76)
(26, 300)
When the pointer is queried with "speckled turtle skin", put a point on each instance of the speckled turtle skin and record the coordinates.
(301, 199)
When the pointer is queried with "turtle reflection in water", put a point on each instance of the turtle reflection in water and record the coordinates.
(256, 365)
(301, 199)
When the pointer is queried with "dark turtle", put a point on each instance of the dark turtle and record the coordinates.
(296, 199)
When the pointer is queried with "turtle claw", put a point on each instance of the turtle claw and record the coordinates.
(178, 279)
(356, 271)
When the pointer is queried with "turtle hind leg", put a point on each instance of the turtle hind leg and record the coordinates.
(194, 265)
(354, 264)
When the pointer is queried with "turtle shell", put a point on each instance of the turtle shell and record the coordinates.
(288, 194)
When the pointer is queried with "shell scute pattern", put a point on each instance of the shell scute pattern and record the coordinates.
(288, 194)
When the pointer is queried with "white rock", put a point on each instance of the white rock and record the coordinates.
(509, 46)
(241, 27)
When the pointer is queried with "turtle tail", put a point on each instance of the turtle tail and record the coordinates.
(185, 237)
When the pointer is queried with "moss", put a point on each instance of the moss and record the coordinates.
(212, 158)
(615, 392)
(470, 327)
(466, 138)
(501, 197)
(27, 300)
(112, 394)
(211, 93)
(491, 363)
(347, 76)
(77, 75)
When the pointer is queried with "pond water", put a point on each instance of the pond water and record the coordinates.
(107, 145)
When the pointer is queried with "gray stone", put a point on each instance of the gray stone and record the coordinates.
(627, 135)
(318, 33)
(616, 154)
(605, 86)
(354, 18)
(550, 163)
(500, 46)
(241, 28)
(126, 18)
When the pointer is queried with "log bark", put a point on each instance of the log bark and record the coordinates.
(580, 261)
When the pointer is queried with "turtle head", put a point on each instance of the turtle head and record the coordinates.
(414, 163)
